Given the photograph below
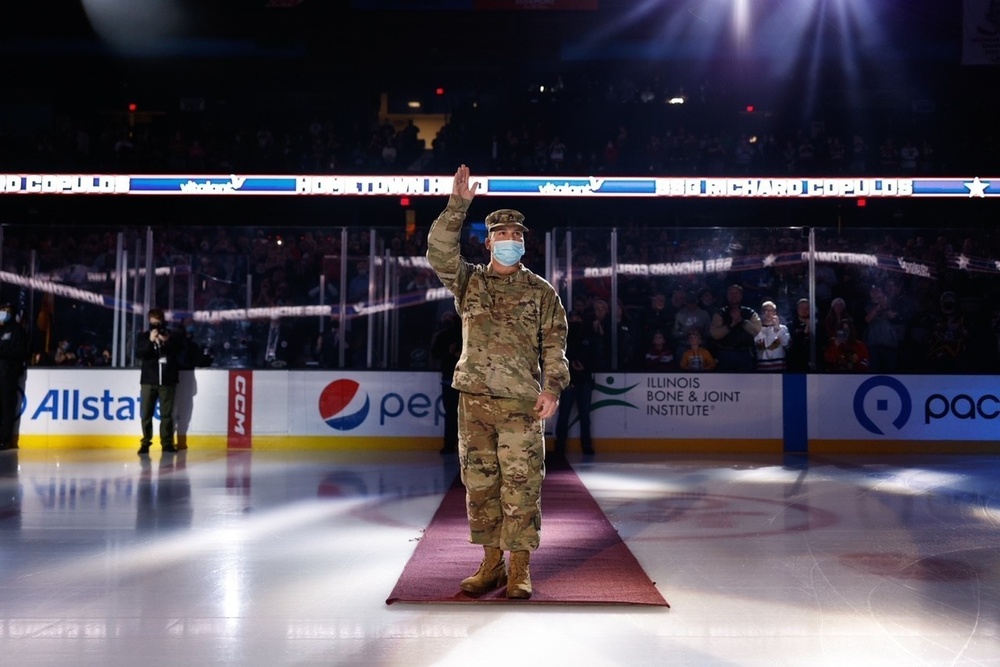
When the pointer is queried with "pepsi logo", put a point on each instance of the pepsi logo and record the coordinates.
(343, 405)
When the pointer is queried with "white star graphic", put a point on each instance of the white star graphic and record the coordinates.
(963, 262)
(769, 260)
(977, 188)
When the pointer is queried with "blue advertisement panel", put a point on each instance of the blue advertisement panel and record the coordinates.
(903, 407)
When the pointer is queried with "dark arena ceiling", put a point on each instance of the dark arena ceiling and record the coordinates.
(427, 38)
(786, 57)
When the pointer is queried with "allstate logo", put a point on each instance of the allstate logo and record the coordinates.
(343, 405)
(881, 404)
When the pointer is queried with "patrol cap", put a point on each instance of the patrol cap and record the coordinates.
(505, 217)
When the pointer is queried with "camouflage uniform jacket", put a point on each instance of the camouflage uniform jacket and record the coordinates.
(513, 326)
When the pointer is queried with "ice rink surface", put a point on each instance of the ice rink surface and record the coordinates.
(286, 558)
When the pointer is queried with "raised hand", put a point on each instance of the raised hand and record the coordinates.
(460, 186)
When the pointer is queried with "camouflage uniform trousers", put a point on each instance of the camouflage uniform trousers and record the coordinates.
(501, 449)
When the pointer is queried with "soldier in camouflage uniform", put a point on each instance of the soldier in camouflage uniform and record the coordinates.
(512, 369)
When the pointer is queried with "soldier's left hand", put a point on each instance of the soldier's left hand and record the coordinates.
(546, 405)
(460, 185)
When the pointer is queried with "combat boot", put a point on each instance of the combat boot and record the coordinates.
(519, 582)
(492, 573)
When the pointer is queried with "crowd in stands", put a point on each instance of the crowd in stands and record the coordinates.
(944, 320)
(948, 323)
(589, 125)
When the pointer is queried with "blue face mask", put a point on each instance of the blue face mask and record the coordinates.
(508, 253)
(4, 316)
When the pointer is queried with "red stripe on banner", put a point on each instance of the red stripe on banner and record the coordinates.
(240, 417)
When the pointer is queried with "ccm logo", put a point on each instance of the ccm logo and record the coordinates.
(240, 427)
(240, 387)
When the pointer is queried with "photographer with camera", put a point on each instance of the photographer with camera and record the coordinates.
(157, 351)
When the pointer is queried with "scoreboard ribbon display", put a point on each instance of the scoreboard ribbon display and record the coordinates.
(520, 186)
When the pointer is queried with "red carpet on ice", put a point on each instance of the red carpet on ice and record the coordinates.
(581, 560)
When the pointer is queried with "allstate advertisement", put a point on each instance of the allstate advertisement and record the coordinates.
(106, 402)
(902, 407)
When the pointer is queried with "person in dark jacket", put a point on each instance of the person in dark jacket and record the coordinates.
(157, 351)
(733, 328)
(580, 353)
(13, 358)
(192, 355)
(446, 349)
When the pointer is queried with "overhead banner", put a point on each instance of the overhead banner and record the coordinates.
(981, 32)
(519, 186)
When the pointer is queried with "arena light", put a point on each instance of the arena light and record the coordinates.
(136, 28)
(803, 39)
(741, 24)
(784, 48)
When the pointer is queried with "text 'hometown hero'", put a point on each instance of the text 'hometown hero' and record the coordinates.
(510, 374)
